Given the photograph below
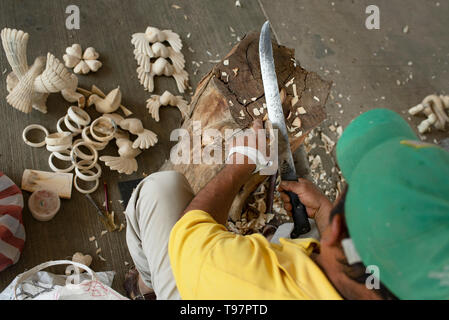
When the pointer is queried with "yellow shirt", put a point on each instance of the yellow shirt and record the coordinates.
(210, 262)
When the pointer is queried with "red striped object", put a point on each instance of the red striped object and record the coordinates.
(12, 232)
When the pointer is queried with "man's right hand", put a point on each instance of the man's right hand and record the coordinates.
(317, 204)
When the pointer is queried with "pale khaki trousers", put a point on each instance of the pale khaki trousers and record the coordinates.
(154, 208)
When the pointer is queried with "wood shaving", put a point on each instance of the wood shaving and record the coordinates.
(101, 258)
(329, 144)
(238, 4)
(316, 162)
(126, 263)
(92, 238)
(236, 70)
(175, 6)
(98, 251)
(103, 232)
(122, 226)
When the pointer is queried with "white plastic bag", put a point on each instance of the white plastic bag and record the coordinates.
(74, 289)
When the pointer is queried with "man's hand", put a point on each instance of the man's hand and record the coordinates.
(317, 205)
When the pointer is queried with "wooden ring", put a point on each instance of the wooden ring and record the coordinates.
(74, 155)
(81, 154)
(60, 155)
(70, 126)
(31, 127)
(54, 168)
(97, 145)
(95, 176)
(105, 138)
(79, 116)
(59, 148)
(59, 139)
(86, 191)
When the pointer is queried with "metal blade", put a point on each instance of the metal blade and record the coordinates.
(274, 104)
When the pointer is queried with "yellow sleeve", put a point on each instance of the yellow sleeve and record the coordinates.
(209, 262)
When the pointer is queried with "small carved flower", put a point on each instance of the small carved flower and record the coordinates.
(82, 63)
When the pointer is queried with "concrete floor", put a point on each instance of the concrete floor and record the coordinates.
(329, 37)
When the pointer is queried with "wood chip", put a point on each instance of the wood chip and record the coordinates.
(122, 226)
(301, 110)
(295, 93)
(235, 70)
(289, 83)
(175, 6)
(103, 232)
(294, 101)
(238, 4)
(126, 263)
(297, 122)
(92, 238)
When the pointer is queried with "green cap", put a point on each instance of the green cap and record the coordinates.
(397, 206)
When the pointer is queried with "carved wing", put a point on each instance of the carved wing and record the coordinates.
(141, 43)
(183, 106)
(177, 58)
(146, 79)
(145, 140)
(15, 45)
(153, 105)
(142, 60)
(182, 78)
(55, 77)
(122, 165)
(173, 39)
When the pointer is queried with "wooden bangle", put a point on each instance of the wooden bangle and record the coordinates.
(59, 148)
(97, 145)
(84, 177)
(79, 116)
(86, 191)
(59, 139)
(31, 127)
(60, 155)
(54, 168)
(70, 126)
(74, 155)
(107, 137)
(81, 154)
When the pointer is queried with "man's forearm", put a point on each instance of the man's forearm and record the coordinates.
(217, 196)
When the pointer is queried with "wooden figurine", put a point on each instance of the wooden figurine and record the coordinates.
(166, 99)
(82, 63)
(29, 87)
(126, 162)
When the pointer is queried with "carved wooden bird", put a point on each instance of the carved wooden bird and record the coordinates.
(29, 87)
(166, 99)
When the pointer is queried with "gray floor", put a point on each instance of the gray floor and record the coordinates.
(329, 37)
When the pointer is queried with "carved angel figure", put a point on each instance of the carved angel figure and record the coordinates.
(166, 99)
(29, 87)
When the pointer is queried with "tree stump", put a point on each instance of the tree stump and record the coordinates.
(231, 96)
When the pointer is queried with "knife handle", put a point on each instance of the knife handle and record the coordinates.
(299, 214)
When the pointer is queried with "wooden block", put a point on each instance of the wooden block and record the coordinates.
(60, 183)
